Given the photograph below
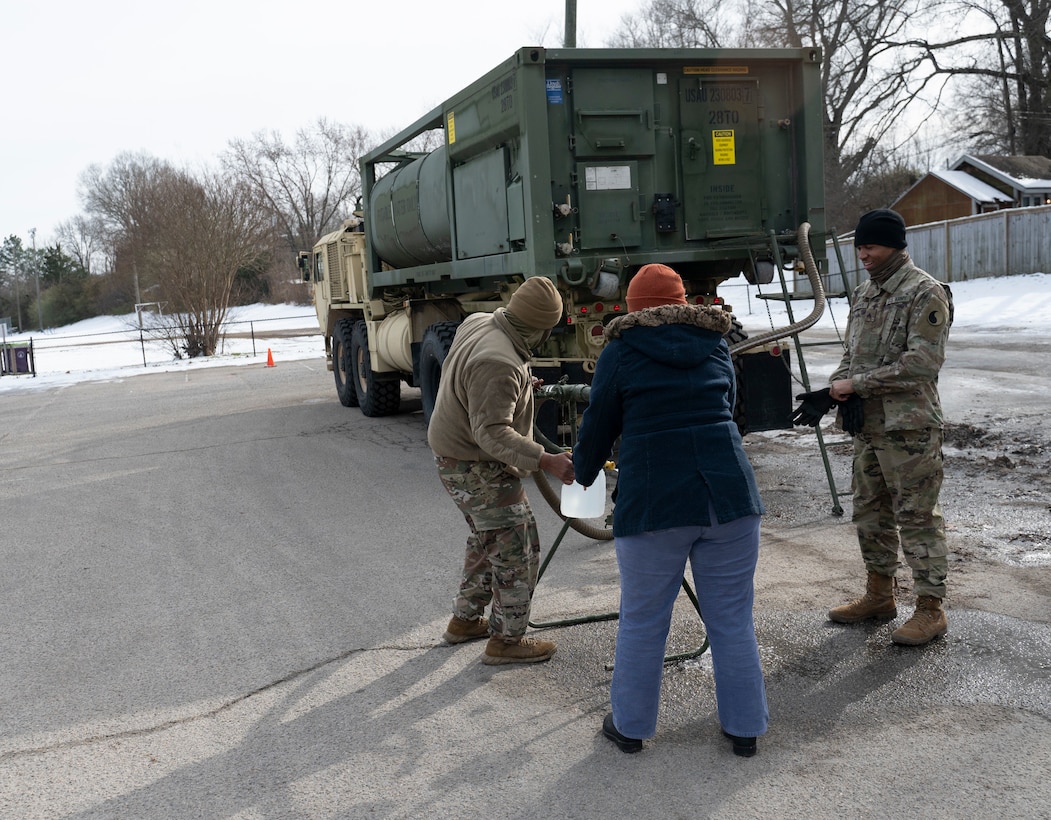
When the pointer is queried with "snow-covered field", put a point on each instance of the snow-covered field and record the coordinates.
(108, 347)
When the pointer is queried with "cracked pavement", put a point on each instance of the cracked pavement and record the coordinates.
(223, 594)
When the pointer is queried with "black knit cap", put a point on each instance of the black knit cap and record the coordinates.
(881, 227)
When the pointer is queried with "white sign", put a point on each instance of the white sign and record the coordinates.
(608, 178)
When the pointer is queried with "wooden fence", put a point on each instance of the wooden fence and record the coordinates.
(1003, 243)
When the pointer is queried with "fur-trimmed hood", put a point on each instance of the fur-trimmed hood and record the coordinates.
(679, 335)
(703, 316)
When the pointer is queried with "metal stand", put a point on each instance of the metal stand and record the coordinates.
(612, 616)
(788, 297)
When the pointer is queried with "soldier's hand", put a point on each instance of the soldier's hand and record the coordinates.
(841, 388)
(813, 408)
(852, 414)
(560, 465)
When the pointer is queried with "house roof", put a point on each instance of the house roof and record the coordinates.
(1023, 173)
(971, 186)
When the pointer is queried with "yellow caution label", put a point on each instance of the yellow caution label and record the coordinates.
(715, 69)
(450, 127)
(723, 148)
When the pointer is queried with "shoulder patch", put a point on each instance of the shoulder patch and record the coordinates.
(936, 317)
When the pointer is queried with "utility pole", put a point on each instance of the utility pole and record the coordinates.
(19, 275)
(569, 36)
(36, 271)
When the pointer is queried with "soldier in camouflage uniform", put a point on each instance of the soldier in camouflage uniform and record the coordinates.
(899, 323)
(481, 435)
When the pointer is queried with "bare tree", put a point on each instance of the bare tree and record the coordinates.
(84, 239)
(202, 232)
(1002, 76)
(188, 237)
(1031, 61)
(309, 186)
(679, 24)
(121, 198)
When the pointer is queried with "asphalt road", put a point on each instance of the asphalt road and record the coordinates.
(223, 593)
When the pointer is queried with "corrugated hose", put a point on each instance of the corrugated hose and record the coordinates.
(819, 300)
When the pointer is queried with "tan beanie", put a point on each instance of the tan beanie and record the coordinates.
(536, 303)
(655, 285)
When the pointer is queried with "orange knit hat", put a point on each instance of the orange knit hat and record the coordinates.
(655, 285)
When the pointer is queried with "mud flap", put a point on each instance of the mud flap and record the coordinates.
(764, 388)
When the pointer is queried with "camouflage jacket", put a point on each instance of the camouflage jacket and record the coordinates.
(896, 338)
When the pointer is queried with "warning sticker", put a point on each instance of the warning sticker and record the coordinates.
(723, 149)
(450, 128)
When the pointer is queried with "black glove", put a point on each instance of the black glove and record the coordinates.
(814, 406)
(852, 414)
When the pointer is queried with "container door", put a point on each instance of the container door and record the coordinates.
(613, 138)
(609, 204)
(721, 163)
(612, 112)
(480, 192)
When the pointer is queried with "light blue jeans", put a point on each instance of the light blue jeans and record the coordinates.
(722, 558)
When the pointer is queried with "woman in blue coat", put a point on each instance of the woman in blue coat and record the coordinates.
(664, 384)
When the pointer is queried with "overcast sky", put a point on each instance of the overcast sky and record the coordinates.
(86, 81)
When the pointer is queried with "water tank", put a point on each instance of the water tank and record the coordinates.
(409, 209)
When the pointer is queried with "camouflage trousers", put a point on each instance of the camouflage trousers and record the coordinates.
(897, 479)
(503, 548)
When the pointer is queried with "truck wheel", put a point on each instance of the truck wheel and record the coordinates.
(342, 364)
(434, 347)
(377, 395)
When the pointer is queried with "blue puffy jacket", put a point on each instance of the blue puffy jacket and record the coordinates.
(665, 385)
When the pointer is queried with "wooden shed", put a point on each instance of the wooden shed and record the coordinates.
(977, 185)
(942, 195)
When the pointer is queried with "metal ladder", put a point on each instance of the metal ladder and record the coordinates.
(788, 297)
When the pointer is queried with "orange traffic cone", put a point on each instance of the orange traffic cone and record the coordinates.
(269, 358)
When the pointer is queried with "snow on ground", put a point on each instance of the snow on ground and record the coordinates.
(108, 347)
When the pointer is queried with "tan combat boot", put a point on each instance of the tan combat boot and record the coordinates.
(876, 603)
(525, 650)
(927, 623)
(460, 629)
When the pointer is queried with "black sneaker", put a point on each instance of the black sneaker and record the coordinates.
(743, 746)
(629, 745)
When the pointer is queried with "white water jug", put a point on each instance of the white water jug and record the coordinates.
(584, 502)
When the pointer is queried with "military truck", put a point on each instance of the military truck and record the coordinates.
(580, 165)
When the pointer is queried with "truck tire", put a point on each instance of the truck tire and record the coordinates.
(343, 364)
(377, 395)
(437, 339)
